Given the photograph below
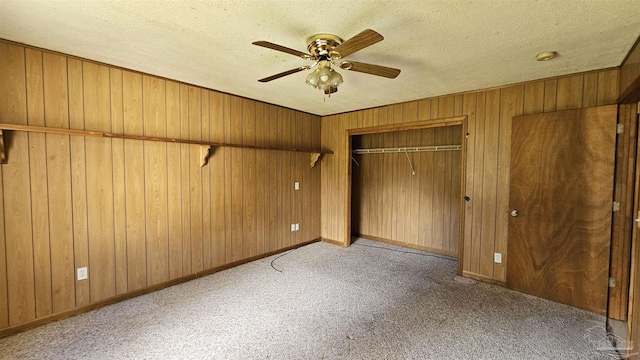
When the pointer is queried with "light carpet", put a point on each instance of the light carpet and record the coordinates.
(368, 301)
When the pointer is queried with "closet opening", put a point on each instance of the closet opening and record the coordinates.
(406, 185)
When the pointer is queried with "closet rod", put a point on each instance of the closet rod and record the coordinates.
(408, 149)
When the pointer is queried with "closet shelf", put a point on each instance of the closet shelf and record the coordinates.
(205, 145)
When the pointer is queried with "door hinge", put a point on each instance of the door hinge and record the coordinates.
(616, 206)
(620, 129)
(612, 282)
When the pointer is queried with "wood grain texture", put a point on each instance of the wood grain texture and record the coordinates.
(424, 195)
(137, 212)
(99, 184)
(119, 181)
(195, 178)
(38, 182)
(78, 179)
(156, 188)
(16, 188)
(630, 73)
(633, 323)
(623, 220)
(56, 113)
(134, 181)
(174, 185)
(557, 252)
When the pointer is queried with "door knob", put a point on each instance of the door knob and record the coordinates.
(514, 213)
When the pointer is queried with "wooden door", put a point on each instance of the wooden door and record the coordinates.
(562, 169)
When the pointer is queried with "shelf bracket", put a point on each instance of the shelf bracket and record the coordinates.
(3, 153)
(205, 153)
(314, 158)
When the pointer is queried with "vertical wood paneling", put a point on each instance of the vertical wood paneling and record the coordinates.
(236, 200)
(478, 183)
(137, 213)
(134, 181)
(174, 184)
(206, 186)
(550, 93)
(56, 106)
(490, 183)
(4, 300)
(156, 188)
(261, 130)
(217, 173)
(16, 188)
(185, 173)
(78, 179)
(511, 105)
(469, 108)
(227, 179)
(249, 179)
(195, 178)
(569, 95)
(421, 187)
(97, 115)
(274, 196)
(39, 190)
(489, 114)
(119, 186)
(607, 87)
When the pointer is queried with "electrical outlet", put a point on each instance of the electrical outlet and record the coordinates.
(82, 273)
(497, 258)
(293, 227)
(296, 185)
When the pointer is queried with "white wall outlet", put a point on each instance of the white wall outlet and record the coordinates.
(296, 185)
(297, 227)
(293, 227)
(497, 258)
(82, 273)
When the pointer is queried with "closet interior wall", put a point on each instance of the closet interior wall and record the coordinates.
(390, 204)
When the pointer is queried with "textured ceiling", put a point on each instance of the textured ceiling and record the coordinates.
(442, 47)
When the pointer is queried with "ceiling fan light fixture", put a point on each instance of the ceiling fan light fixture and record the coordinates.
(325, 78)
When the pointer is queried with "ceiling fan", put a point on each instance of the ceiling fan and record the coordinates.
(326, 50)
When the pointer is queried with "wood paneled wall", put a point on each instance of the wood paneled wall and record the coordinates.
(137, 213)
(489, 114)
(421, 210)
(630, 76)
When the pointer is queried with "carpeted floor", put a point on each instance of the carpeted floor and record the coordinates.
(369, 301)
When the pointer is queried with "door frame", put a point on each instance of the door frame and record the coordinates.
(416, 125)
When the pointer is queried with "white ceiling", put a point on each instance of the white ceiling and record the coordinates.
(442, 47)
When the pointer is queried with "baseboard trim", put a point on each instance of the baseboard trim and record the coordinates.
(112, 300)
(407, 245)
(333, 242)
(483, 278)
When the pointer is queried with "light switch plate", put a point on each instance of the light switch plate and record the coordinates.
(293, 227)
(297, 227)
(497, 258)
(296, 185)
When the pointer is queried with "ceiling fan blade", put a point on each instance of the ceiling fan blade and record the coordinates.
(378, 70)
(272, 46)
(284, 73)
(366, 38)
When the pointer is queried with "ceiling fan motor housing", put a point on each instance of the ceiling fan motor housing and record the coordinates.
(322, 44)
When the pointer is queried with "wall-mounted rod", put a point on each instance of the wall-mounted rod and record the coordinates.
(408, 149)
